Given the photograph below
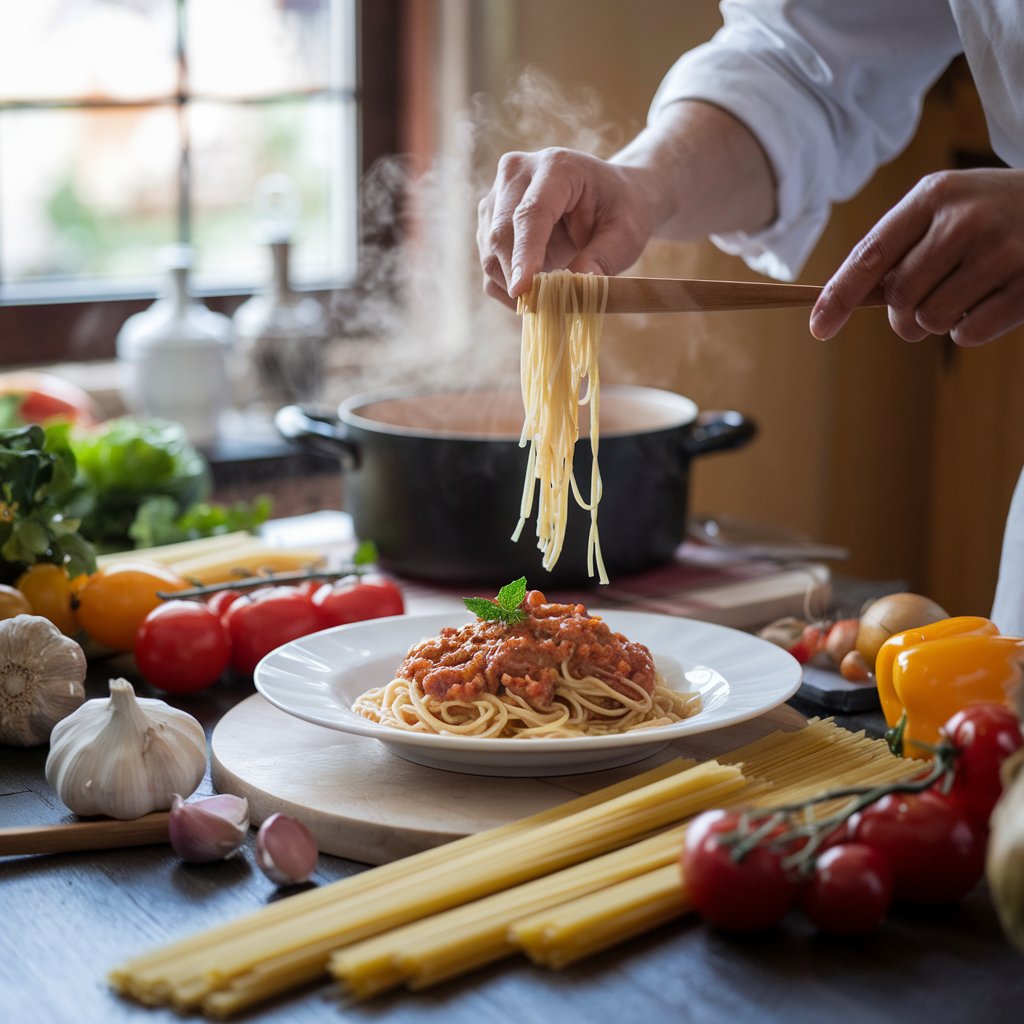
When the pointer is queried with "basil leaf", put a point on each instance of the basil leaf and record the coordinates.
(505, 608)
(483, 608)
(511, 595)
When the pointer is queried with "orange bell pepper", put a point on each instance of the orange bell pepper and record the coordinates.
(926, 675)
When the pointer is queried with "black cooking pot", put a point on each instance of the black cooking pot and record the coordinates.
(435, 479)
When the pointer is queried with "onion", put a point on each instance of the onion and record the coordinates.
(893, 614)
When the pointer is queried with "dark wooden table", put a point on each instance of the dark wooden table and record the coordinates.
(66, 920)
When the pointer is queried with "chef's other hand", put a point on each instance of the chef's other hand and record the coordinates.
(559, 208)
(949, 257)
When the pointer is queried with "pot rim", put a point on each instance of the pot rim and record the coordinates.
(686, 410)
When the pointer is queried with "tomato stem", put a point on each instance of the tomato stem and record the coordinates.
(755, 827)
(249, 581)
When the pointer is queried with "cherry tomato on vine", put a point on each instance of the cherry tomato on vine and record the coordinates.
(354, 600)
(935, 848)
(309, 587)
(181, 647)
(850, 891)
(222, 600)
(115, 600)
(746, 894)
(49, 592)
(985, 735)
(266, 618)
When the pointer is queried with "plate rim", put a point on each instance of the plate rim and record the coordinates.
(454, 747)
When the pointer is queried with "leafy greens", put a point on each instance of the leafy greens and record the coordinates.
(37, 484)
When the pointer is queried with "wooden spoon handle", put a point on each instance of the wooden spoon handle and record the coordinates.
(670, 295)
(107, 834)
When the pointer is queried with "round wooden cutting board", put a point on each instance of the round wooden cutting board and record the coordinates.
(365, 803)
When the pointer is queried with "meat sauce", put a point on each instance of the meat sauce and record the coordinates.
(525, 658)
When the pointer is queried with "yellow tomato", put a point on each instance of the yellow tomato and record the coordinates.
(116, 599)
(48, 591)
(13, 602)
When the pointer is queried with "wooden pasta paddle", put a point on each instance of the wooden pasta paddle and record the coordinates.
(680, 295)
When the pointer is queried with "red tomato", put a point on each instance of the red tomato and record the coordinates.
(45, 395)
(222, 600)
(985, 735)
(748, 894)
(309, 587)
(266, 618)
(181, 647)
(934, 847)
(353, 600)
(850, 891)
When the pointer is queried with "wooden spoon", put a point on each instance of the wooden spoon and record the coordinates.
(103, 834)
(673, 295)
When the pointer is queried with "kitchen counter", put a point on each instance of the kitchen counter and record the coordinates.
(67, 919)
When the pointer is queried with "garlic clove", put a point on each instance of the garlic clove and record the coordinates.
(211, 828)
(286, 851)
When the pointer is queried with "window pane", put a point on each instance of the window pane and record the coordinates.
(89, 193)
(276, 46)
(234, 147)
(67, 49)
(85, 192)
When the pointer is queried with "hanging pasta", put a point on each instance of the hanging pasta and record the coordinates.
(562, 321)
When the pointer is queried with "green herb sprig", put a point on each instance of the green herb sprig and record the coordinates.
(504, 608)
(36, 495)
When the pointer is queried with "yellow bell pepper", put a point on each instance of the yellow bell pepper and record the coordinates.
(926, 675)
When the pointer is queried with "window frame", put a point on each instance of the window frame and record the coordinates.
(85, 329)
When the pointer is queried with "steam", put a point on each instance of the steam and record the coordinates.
(419, 315)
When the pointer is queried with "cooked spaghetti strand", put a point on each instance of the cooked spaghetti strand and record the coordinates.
(562, 323)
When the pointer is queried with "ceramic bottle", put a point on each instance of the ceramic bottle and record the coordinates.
(280, 338)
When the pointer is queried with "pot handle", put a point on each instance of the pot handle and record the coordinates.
(319, 433)
(720, 430)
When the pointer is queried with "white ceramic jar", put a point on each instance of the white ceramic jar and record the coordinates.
(175, 356)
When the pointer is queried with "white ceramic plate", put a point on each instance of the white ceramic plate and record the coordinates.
(738, 676)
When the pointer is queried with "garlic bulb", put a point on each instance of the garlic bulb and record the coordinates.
(125, 756)
(41, 679)
(1004, 866)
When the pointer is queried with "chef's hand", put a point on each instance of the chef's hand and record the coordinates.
(949, 257)
(560, 208)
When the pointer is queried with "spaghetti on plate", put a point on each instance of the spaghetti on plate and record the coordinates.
(560, 672)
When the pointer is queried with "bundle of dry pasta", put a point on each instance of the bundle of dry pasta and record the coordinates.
(598, 871)
(220, 559)
(562, 320)
(579, 911)
(585, 925)
(275, 949)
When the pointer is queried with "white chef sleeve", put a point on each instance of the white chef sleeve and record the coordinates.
(1008, 606)
(831, 88)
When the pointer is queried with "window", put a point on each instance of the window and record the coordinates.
(126, 125)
